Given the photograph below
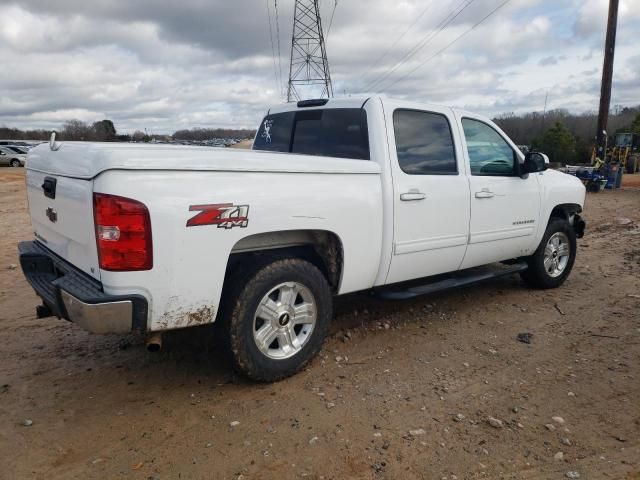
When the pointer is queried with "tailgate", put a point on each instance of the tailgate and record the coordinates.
(61, 210)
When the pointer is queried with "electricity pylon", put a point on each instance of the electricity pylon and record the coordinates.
(309, 66)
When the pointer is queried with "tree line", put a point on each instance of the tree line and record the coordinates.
(100, 131)
(566, 137)
(105, 131)
(199, 134)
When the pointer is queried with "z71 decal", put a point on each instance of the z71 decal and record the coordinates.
(224, 215)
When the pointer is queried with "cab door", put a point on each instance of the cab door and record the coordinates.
(430, 193)
(505, 208)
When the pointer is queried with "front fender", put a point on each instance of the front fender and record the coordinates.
(559, 192)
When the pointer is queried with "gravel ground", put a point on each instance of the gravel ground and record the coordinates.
(434, 388)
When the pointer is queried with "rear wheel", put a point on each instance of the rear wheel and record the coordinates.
(15, 163)
(278, 319)
(551, 263)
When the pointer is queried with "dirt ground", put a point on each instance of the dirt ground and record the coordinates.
(401, 390)
(246, 144)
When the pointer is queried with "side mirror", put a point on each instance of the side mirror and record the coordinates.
(534, 162)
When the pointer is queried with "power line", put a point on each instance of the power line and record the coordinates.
(422, 43)
(273, 51)
(331, 20)
(278, 36)
(449, 44)
(386, 52)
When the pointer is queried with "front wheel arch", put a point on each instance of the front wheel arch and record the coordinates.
(569, 212)
(565, 210)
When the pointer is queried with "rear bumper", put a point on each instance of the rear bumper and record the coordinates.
(69, 293)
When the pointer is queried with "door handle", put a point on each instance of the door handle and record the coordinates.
(412, 195)
(485, 193)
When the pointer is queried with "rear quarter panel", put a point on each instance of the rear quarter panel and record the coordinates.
(184, 287)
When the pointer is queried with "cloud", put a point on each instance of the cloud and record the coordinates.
(208, 63)
(551, 60)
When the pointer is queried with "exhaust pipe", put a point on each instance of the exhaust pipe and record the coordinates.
(154, 342)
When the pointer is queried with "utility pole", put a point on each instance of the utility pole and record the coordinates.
(607, 75)
(309, 65)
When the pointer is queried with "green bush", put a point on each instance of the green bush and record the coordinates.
(558, 143)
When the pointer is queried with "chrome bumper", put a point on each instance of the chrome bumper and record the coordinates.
(69, 293)
(108, 317)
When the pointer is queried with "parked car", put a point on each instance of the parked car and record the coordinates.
(18, 149)
(12, 158)
(336, 197)
(17, 143)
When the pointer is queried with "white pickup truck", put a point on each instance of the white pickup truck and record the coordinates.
(336, 196)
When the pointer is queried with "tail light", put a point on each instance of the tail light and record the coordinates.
(123, 233)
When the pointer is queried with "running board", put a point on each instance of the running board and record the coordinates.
(457, 279)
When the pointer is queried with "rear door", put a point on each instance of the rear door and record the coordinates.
(431, 192)
(505, 208)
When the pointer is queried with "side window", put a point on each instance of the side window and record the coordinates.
(424, 143)
(489, 153)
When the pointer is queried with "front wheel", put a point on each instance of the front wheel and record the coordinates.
(15, 163)
(551, 263)
(278, 319)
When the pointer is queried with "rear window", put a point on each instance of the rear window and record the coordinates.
(335, 132)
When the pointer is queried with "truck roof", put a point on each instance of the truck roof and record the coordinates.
(353, 102)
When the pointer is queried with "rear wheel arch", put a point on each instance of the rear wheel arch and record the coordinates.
(322, 248)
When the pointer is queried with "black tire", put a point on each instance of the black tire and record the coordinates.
(15, 163)
(239, 316)
(537, 276)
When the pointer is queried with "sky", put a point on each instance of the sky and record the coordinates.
(165, 66)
